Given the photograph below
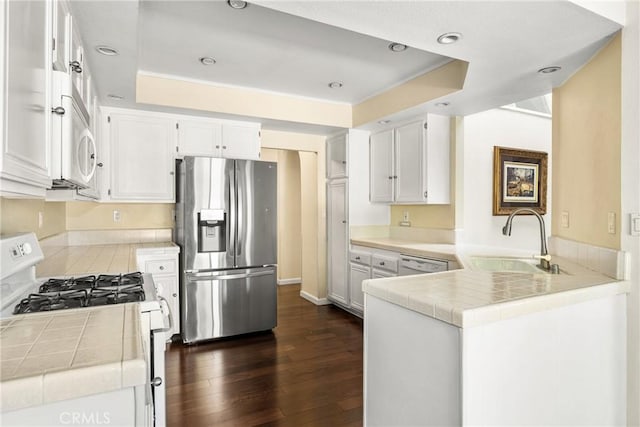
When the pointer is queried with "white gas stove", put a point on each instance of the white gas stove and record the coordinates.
(23, 293)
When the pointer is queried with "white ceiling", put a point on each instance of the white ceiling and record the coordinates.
(288, 47)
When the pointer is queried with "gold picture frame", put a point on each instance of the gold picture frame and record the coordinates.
(519, 180)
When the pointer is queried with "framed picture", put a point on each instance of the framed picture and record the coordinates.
(519, 180)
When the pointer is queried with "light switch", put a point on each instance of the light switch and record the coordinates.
(611, 222)
(564, 219)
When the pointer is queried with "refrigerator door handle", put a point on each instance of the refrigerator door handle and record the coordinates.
(194, 278)
(233, 212)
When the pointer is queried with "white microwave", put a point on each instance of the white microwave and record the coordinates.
(73, 148)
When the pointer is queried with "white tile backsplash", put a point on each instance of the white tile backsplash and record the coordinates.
(610, 262)
(107, 237)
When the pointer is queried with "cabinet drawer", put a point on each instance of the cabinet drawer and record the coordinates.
(161, 266)
(382, 262)
(360, 257)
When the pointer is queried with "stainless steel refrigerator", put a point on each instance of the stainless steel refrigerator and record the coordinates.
(226, 228)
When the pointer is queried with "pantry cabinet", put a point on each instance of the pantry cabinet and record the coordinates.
(337, 241)
(141, 157)
(410, 163)
(24, 76)
(218, 138)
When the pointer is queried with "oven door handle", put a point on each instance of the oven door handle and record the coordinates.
(170, 315)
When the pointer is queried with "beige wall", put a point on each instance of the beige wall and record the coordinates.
(289, 217)
(437, 83)
(22, 215)
(311, 150)
(99, 216)
(586, 150)
(173, 92)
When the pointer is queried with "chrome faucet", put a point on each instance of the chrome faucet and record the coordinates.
(544, 253)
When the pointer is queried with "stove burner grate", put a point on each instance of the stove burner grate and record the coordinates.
(87, 291)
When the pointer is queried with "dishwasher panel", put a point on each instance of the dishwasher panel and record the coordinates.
(416, 265)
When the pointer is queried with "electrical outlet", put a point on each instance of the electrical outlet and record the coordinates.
(40, 219)
(564, 219)
(611, 222)
(634, 229)
(116, 216)
(405, 216)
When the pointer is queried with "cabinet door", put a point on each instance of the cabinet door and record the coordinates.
(381, 172)
(337, 157)
(142, 165)
(357, 273)
(409, 163)
(438, 160)
(25, 106)
(76, 63)
(337, 234)
(241, 141)
(61, 27)
(167, 288)
(199, 138)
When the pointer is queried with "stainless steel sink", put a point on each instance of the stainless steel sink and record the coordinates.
(507, 264)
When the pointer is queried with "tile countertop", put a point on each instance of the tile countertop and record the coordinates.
(471, 297)
(48, 357)
(95, 259)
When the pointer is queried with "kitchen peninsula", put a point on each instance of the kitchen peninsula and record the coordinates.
(495, 348)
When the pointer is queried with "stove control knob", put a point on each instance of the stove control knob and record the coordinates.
(26, 248)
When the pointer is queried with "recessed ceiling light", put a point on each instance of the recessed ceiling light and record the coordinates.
(335, 85)
(384, 122)
(449, 38)
(397, 47)
(442, 104)
(548, 70)
(115, 97)
(237, 4)
(107, 50)
(207, 60)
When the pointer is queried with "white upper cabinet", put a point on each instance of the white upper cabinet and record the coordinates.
(337, 156)
(61, 27)
(76, 63)
(26, 105)
(241, 140)
(199, 138)
(410, 164)
(219, 138)
(381, 170)
(141, 159)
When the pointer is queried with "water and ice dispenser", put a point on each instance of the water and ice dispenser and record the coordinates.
(212, 227)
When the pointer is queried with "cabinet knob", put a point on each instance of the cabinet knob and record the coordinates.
(344, 162)
(357, 258)
(344, 221)
(395, 176)
(171, 173)
(162, 267)
(381, 262)
(390, 177)
(75, 66)
(58, 110)
(156, 382)
(99, 165)
(224, 147)
(174, 295)
(217, 146)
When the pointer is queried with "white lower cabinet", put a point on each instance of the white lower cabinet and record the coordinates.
(162, 264)
(366, 263)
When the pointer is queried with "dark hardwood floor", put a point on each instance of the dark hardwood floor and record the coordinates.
(308, 372)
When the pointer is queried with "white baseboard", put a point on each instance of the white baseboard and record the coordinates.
(291, 281)
(314, 299)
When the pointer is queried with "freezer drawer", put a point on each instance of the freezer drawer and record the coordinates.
(222, 303)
